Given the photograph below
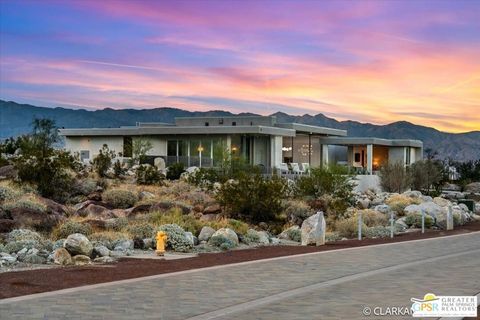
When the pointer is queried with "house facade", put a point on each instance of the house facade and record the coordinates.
(260, 140)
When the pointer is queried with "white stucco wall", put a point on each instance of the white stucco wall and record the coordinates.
(93, 144)
(276, 143)
(159, 145)
(396, 154)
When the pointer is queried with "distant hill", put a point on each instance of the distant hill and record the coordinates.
(15, 119)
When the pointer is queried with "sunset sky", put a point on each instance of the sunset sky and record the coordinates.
(370, 61)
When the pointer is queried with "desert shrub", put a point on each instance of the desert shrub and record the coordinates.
(348, 228)
(176, 239)
(222, 242)
(84, 187)
(140, 147)
(332, 180)
(253, 197)
(205, 178)
(377, 232)
(332, 236)
(70, 227)
(103, 161)
(399, 202)
(373, 218)
(295, 234)
(8, 193)
(175, 216)
(141, 231)
(195, 197)
(23, 235)
(238, 226)
(108, 238)
(148, 175)
(175, 170)
(415, 219)
(118, 169)
(394, 177)
(120, 199)
(26, 203)
(297, 211)
(250, 237)
(426, 174)
(117, 224)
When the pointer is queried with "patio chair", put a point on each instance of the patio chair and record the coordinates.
(296, 168)
(306, 167)
(283, 168)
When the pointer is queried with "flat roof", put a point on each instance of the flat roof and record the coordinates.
(177, 130)
(355, 141)
(309, 129)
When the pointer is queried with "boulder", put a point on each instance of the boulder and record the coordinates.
(311, 230)
(227, 233)
(34, 259)
(190, 237)
(285, 233)
(413, 194)
(96, 211)
(383, 208)
(101, 251)
(78, 244)
(140, 209)
(7, 225)
(212, 209)
(23, 234)
(263, 237)
(7, 258)
(430, 208)
(123, 245)
(146, 195)
(363, 203)
(473, 187)
(62, 257)
(104, 260)
(441, 202)
(54, 207)
(452, 187)
(31, 218)
(206, 233)
(81, 260)
(8, 172)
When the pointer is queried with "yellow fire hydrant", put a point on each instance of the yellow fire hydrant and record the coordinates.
(161, 241)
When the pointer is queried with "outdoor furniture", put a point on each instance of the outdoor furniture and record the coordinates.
(283, 168)
(296, 168)
(306, 167)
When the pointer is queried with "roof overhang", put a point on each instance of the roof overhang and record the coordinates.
(308, 129)
(353, 141)
(173, 130)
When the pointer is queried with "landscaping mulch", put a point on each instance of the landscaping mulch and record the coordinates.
(20, 283)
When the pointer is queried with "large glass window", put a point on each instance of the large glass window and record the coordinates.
(127, 147)
(172, 148)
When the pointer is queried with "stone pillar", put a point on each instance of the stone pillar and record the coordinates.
(370, 158)
(320, 230)
(324, 154)
(449, 218)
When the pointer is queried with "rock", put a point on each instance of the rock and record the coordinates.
(227, 233)
(190, 238)
(54, 207)
(213, 209)
(118, 254)
(363, 203)
(160, 164)
(162, 206)
(7, 225)
(198, 208)
(32, 218)
(124, 245)
(477, 208)
(452, 187)
(310, 230)
(7, 258)
(209, 217)
(104, 260)
(34, 259)
(58, 244)
(23, 234)
(263, 237)
(16, 246)
(263, 225)
(96, 223)
(8, 172)
(426, 199)
(413, 194)
(475, 217)
(146, 195)
(441, 202)
(148, 243)
(206, 233)
(383, 208)
(81, 260)
(101, 251)
(78, 244)
(285, 233)
(96, 211)
(473, 187)
(275, 241)
(140, 209)
(430, 208)
(62, 257)
(400, 225)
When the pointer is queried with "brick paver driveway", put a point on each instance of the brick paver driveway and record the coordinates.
(328, 285)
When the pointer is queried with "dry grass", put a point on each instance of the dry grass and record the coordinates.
(399, 202)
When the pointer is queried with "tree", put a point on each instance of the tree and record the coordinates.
(426, 175)
(103, 161)
(140, 148)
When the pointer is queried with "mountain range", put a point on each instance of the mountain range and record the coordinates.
(15, 119)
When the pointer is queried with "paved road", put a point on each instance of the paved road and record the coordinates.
(328, 285)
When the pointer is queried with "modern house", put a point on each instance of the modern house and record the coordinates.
(260, 140)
